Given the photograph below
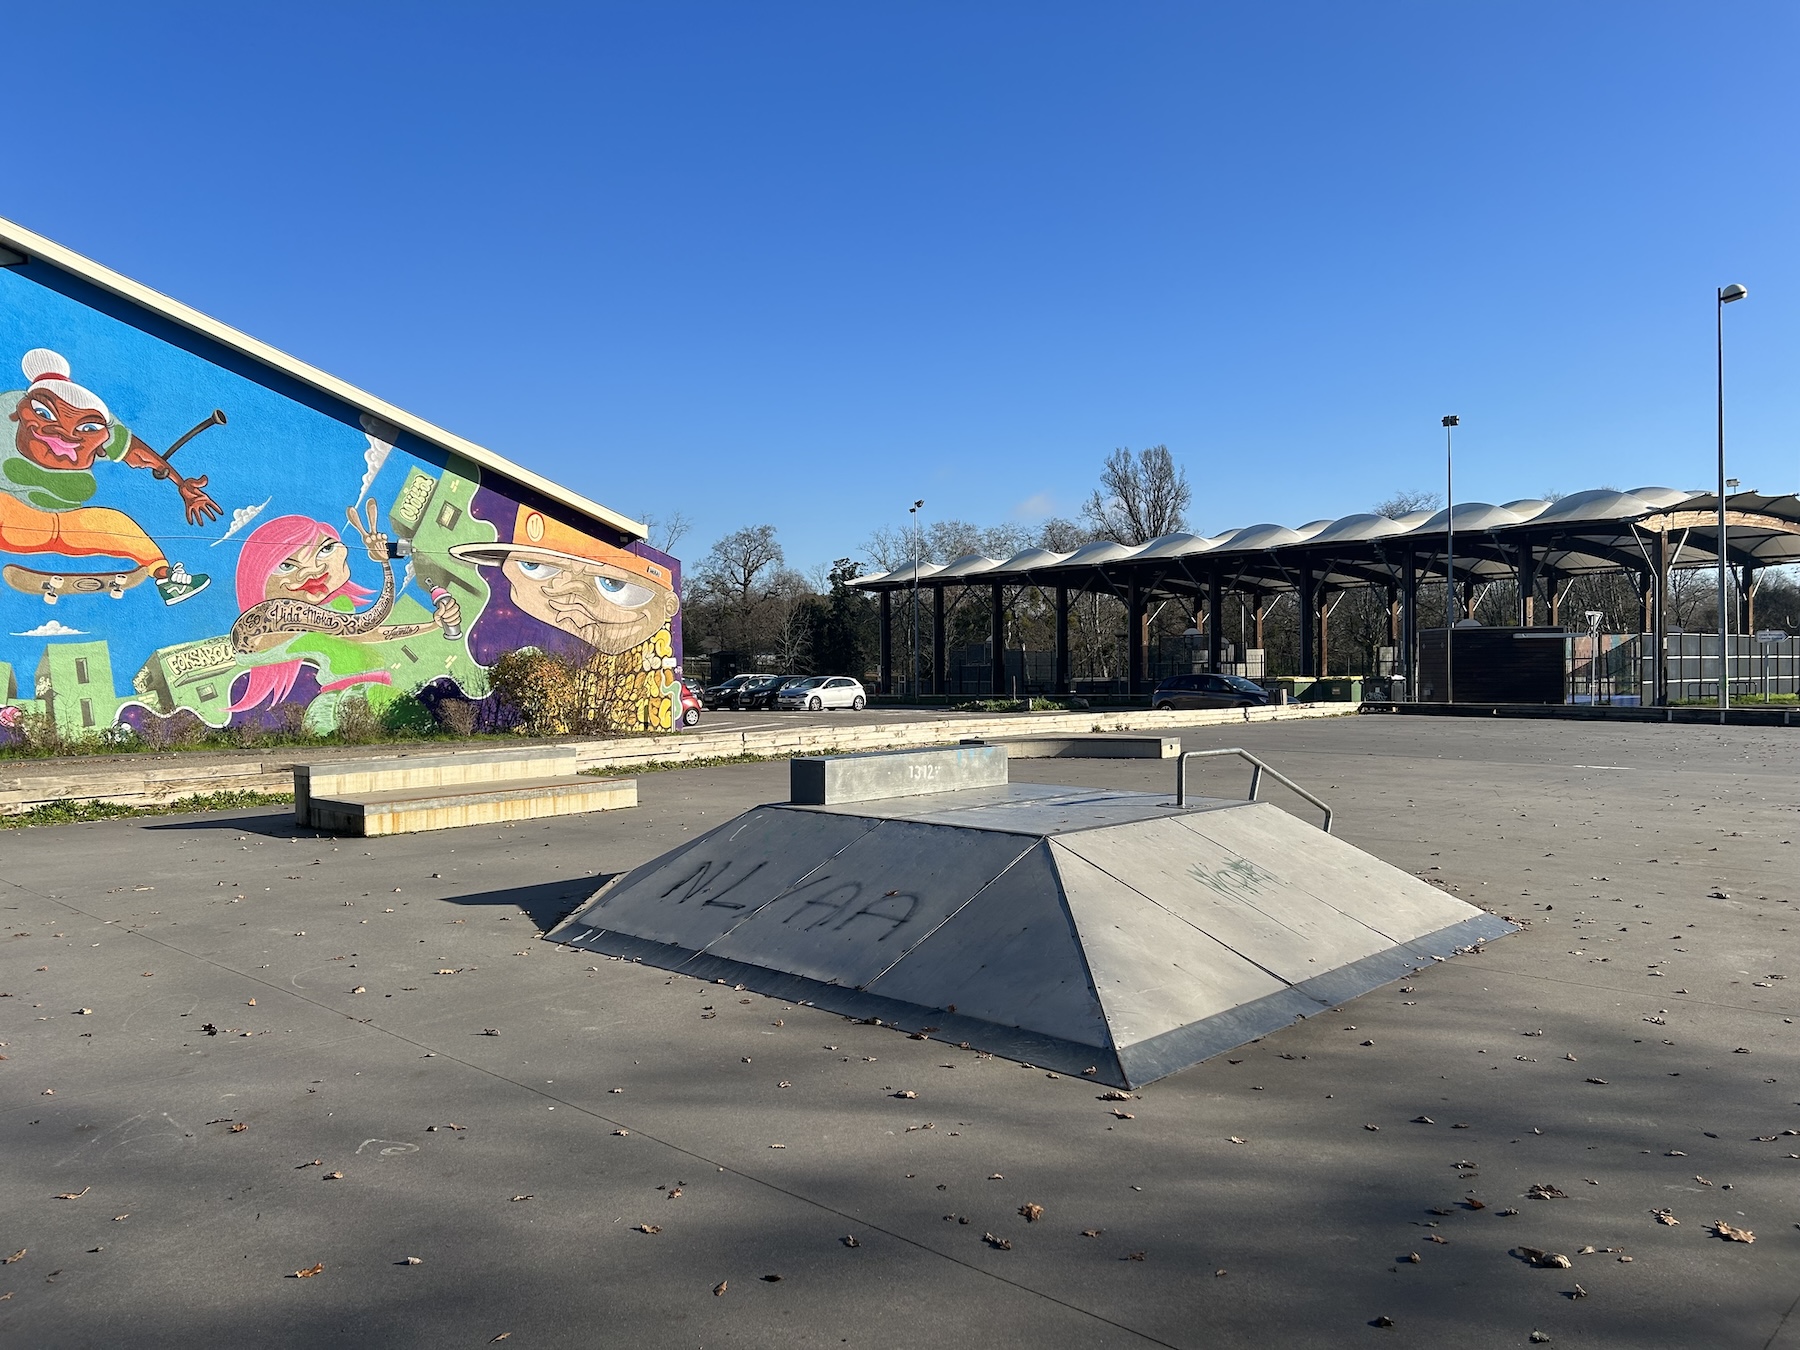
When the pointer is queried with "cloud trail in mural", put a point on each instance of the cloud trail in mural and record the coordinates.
(240, 518)
(53, 629)
(381, 444)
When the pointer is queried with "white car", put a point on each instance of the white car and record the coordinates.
(824, 691)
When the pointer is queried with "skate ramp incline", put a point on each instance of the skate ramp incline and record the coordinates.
(1063, 927)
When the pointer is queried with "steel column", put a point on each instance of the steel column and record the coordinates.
(886, 679)
(1062, 639)
(1659, 635)
(1134, 637)
(1409, 623)
(1528, 569)
(1215, 607)
(997, 637)
(1308, 617)
(940, 683)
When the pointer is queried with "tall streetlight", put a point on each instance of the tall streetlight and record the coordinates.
(1450, 424)
(913, 511)
(1726, 295)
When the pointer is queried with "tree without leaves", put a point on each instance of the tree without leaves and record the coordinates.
(1406, 501)
(666, 531)
(736, 564)
(1139, 498)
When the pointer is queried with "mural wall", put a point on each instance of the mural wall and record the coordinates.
(181, 529)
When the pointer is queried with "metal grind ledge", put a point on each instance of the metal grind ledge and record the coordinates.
(1060, 927)
(834, 779)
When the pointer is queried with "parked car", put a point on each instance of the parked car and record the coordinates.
(824, 691)
(690, 704)
(724, 694)
(1208, 691)
(759, 690)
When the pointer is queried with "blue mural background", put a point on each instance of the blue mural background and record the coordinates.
(529, 572)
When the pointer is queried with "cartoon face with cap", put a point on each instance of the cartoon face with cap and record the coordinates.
(608, 597)
(61, 424)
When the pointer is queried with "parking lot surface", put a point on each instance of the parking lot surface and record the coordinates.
(237, 1053)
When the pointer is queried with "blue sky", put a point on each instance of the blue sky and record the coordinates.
(802, 263)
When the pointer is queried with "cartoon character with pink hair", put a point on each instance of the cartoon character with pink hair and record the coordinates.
(297, 598)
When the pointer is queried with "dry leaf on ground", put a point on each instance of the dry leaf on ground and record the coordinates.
(1730, 1234)
(721, 1287)
(1031, 1213)
(309, 1272)
(74, 1195)
(646, 1228)
(1663, 1216)
(1548, 1260)
(999, 1244)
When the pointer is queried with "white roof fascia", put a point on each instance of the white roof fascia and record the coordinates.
(36, 247)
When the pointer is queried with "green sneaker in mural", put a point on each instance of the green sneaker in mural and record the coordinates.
(181, 585)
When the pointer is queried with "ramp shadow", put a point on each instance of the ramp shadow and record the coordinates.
(275, 822)
(546, 904)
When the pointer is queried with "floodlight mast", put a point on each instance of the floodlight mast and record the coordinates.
(1727, 294)
(1450, 424)
(913, 511)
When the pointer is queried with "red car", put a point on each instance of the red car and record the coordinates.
(690, 705)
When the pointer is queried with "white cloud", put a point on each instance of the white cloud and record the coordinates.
(53, 629)
(1035, 507)
(242, 517)
(381, 444)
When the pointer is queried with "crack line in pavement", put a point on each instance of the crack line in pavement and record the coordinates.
(608, 1120)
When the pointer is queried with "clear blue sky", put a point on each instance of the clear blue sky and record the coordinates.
(802, 263)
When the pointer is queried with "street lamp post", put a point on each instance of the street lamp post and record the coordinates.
(913, 511)
(1450, 424)
(1727, 294)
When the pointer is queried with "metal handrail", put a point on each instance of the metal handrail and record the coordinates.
(1257, 770)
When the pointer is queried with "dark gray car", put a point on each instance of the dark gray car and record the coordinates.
(1208, 691)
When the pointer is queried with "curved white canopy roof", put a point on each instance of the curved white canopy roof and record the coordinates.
(1596, 530)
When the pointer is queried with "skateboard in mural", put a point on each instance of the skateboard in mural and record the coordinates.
(65, 441)
(53, 586)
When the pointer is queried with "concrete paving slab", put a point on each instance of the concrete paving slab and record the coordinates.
(1306, 1216)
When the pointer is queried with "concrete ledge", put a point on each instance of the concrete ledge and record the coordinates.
(894, 773)
(1093, 747)
(416, 810)
(404, 773)
(158, 778)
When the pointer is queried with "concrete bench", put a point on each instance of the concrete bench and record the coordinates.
(401, 773)
(411, 810)
(1089, 747)
(838, 779)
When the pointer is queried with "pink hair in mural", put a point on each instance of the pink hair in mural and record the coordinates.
(269, 550)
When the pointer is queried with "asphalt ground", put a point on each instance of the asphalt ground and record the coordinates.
(225, 1048)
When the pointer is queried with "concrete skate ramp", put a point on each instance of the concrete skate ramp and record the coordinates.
(1062, 927)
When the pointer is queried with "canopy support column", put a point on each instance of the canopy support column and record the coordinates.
(939, 680)
(1215, 610)
(997, 639)
(1528, 570)
(1324, 631)
(1747, 589)
(1309, 616)
(1409, 623)
(1659, 635)
(1062, 639)
(1134, 638)
(886, 678)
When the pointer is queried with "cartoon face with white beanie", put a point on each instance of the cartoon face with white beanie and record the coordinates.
(46, 478)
